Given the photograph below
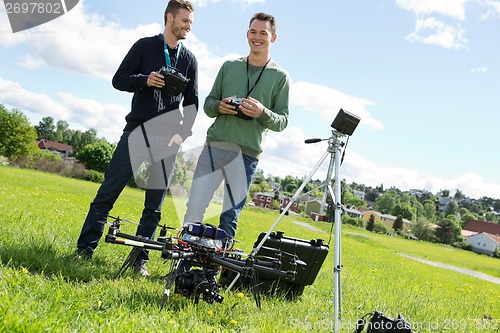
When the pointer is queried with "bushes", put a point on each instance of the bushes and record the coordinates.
(380, 228)
(93, 176)
(357, 222)
(53, 163)
(4, 160)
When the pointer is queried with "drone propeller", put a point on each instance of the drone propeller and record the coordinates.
(119, 219)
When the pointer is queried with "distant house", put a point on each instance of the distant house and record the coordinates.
(59, 148)
(263, 199)
(483, 236)
(285, 200)
(387, 219)
(359, 194)
(312, 206)
(482, 226)
(484, 243)
(352, 212)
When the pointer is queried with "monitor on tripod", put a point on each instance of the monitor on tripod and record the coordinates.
(345, 122)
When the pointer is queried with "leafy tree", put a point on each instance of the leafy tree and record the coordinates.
(458, 195)
(403, 209)
(490, 217)
(348, 198)
(445, 193)
(370, 225)
(467, 217)
(451, 209)
(330, 208)
(371, 196)
(79, 140)
(179, 175)
(448, 230)
(259, 176)
(496, 206)
(96, 156)
(423, 230)
(62, 133)
(46, 128)
(380, 228)
(429, 210)
(289, 184)
(18, 136)
(386, 202)
(398, 224)
(261, 187)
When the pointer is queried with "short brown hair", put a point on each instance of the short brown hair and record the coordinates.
(264, 17)
(175, 5)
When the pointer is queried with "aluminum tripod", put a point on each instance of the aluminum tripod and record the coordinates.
(334, 150)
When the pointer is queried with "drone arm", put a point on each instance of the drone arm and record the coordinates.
(230, 264)
(246, 269)
(137, 241)
(172, 255)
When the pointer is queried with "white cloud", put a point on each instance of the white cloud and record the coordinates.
(31, 62)
(493, 8)
(432, 31)
(451, 8)
(203, 3)
(289, 155)
(89, 113)
(208, 62)
(327, 101)
(12, 93)
(78, 42)
(429, 29)
(482, 69)
(78, 112)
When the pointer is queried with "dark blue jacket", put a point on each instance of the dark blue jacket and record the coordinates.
(148, 55)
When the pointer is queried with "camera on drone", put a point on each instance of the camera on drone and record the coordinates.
(175, 82)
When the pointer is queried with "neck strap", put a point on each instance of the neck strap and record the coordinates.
(258, 78)
(167, 54)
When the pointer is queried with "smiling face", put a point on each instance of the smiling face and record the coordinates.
(260, 36)
(180, 24)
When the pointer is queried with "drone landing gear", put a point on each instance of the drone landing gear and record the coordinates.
(130, 261)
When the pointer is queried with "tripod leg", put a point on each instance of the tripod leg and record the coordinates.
(129, 261)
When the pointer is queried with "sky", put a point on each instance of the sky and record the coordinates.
(423, 76)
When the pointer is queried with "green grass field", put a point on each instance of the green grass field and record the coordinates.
(43, 289)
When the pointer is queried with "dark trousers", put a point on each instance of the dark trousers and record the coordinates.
(118, 173)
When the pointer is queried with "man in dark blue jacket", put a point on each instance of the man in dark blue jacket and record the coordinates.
(155, 129)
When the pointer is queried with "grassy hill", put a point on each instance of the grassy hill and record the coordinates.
(42, 288)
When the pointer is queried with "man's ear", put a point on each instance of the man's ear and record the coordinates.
(170, 18)
(273, 38)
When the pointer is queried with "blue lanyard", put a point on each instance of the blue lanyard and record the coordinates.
(167, 54)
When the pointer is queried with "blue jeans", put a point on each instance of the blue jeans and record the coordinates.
(118, 173)
(216, 164)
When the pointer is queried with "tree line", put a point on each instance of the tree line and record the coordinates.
(18, 140)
